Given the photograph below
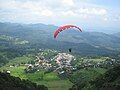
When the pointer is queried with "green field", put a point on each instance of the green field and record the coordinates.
(51, 80)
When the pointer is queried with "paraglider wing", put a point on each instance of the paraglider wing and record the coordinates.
(60, 29)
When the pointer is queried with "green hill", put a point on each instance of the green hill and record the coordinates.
(94, 80)
(41, 36)
(8, 82)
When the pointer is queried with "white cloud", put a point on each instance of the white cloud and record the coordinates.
(68, 13)
(105, 19)
(47, 13)
(68, 2)
(44, 9)
(117, 17)
(54, 11)
(94, 11)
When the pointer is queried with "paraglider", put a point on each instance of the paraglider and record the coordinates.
(65, 27)
(62, 28)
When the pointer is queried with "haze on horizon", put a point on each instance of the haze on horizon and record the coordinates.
(93, 15)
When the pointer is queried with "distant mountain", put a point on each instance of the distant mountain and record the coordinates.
(117, 34)
(41, 36)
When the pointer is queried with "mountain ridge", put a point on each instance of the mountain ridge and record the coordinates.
(41, 35)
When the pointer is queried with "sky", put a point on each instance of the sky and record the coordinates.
(94, 15)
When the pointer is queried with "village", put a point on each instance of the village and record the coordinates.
(59, 62)
(56, 64)
(62, 63)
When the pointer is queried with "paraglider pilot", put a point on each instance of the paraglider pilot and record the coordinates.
(70, 49)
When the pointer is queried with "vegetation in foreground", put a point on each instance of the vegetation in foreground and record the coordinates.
(8, 82)
(110, 80)
(51, 80)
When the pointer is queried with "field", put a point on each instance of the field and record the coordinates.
(51, 80)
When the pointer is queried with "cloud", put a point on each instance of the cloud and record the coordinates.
(47, 13)
(93, 11)
(68, 2)
(56, 12)
(105, 19)
(43, 8)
